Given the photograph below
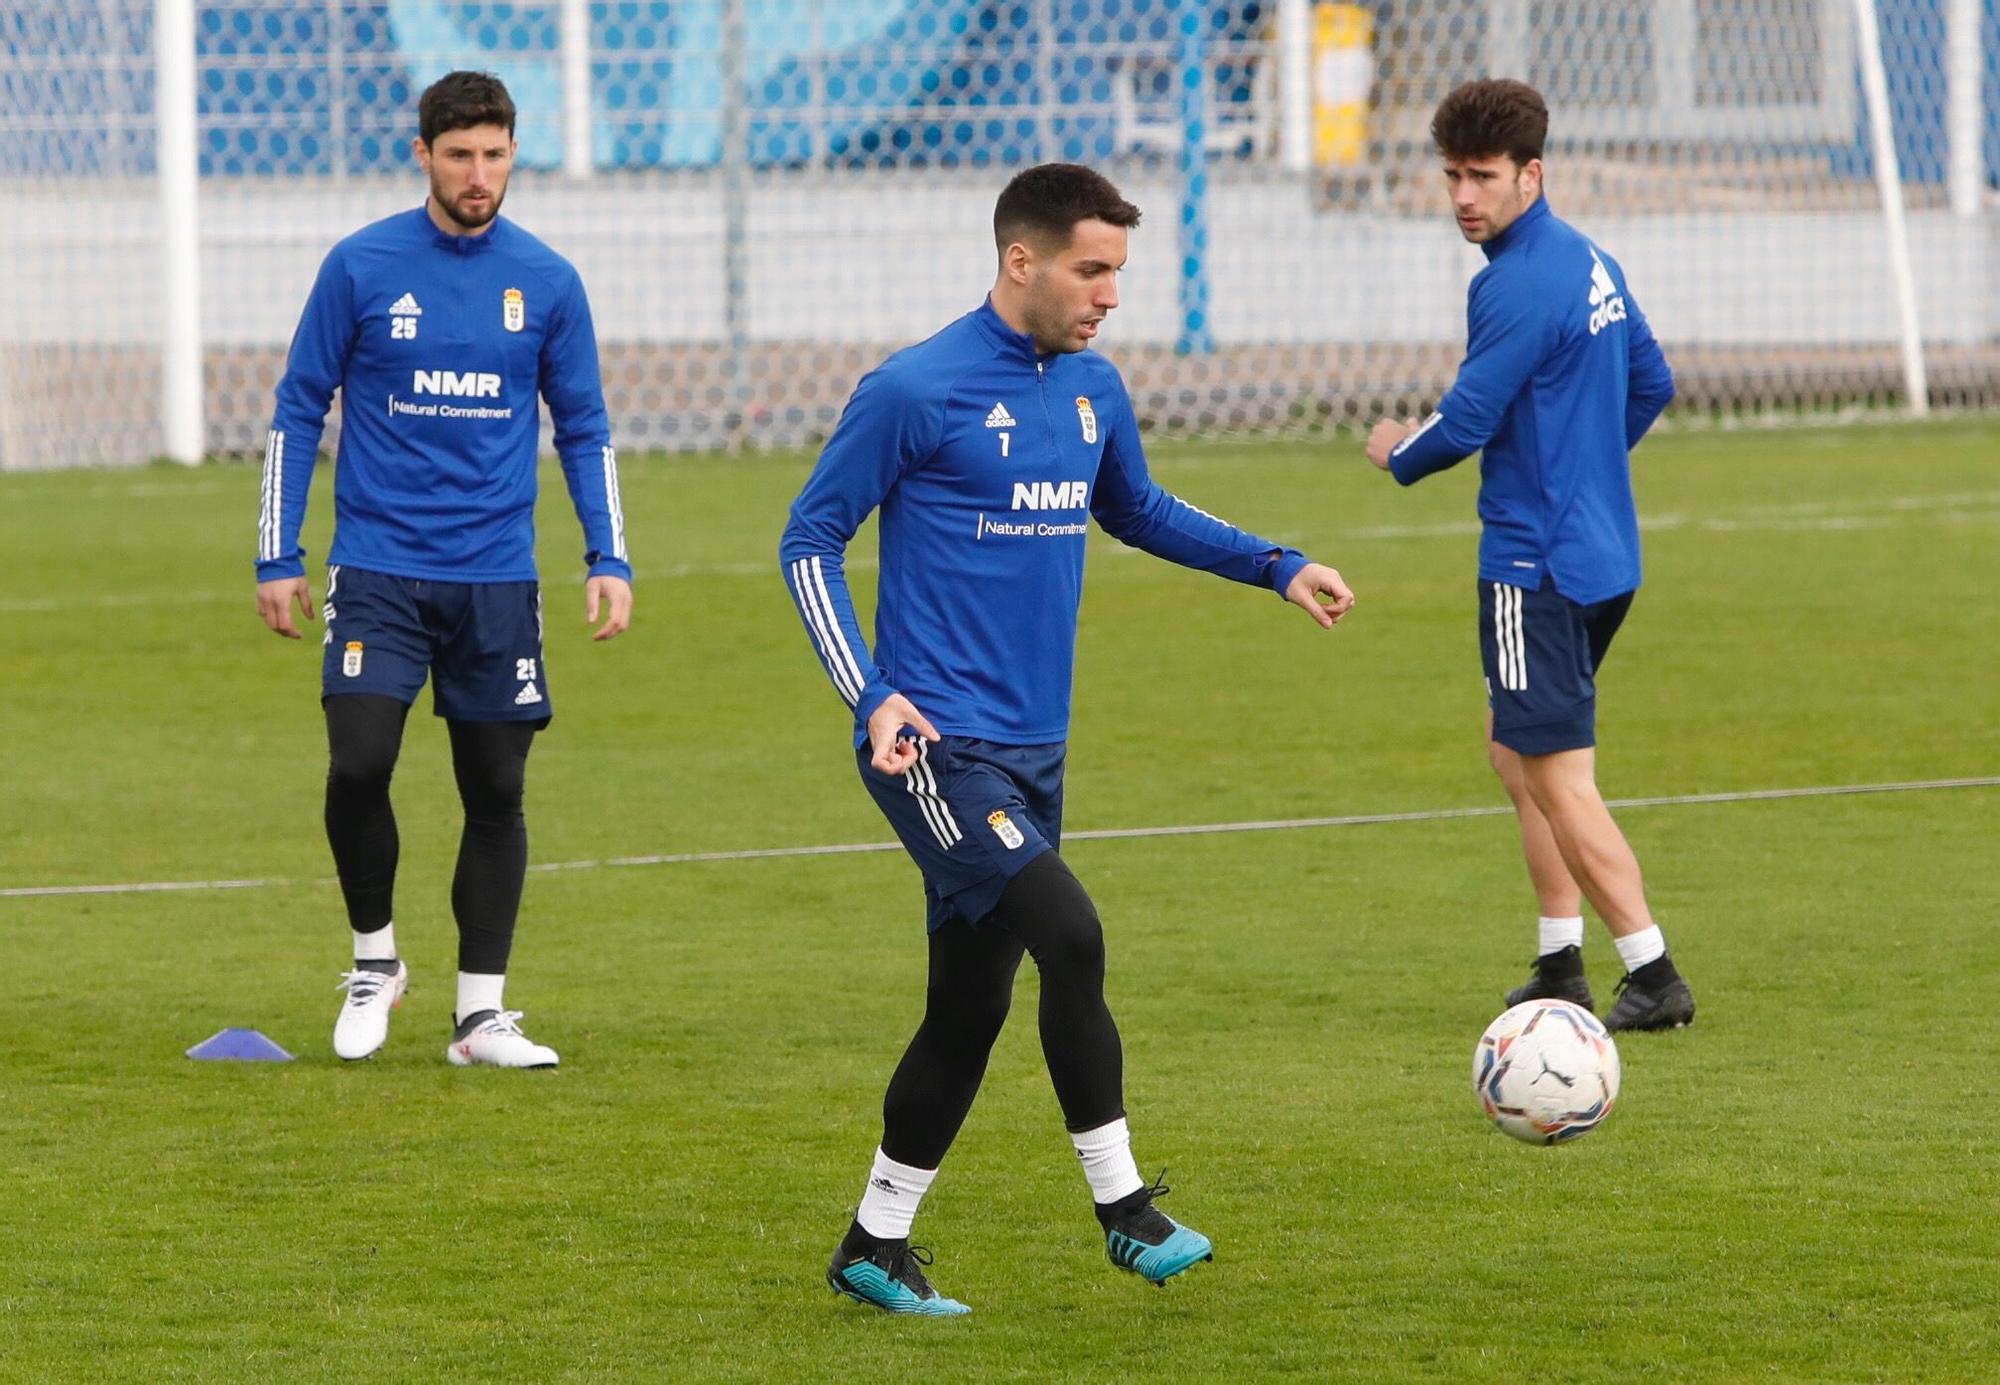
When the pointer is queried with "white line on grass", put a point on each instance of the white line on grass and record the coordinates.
(1102, 834)
(140, 887)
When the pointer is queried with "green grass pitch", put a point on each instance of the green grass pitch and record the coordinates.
(1797, 1189)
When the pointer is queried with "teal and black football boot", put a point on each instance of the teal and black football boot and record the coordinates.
(891, 1278)
(1141, 1238)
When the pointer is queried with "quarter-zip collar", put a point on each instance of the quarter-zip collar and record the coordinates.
(1012, 345)
(461, 245)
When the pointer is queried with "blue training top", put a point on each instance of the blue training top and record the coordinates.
(1561, 378)
(439, 345)
(987, 460)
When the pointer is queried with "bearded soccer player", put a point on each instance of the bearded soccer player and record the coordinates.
(439, 326)
(987, 450)
(1561, 379)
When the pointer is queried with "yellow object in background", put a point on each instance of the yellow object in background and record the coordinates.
(1343, 67)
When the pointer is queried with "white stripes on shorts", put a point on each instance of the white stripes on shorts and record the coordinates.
(1513, 649)
(921, 781)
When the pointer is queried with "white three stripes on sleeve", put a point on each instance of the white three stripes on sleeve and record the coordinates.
(613, 503)
(809, 590)
(271, 518)
(1433, 421)
(1186, 505)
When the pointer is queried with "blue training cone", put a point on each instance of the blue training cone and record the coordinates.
(239, 1045)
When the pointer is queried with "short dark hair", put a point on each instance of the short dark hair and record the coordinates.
(1045, 202)
(461, 100)
(1491, 116)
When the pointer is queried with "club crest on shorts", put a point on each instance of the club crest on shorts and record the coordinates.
(1087, 416)
(350, 661)
(513, 310)
(1004, 828)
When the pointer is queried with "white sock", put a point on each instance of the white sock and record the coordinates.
(476, 992)
(379, 946)
(889, 1202)
(1637, 949)
(1558, 934)
(1106, 1153)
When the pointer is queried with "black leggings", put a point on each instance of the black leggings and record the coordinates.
(364, 735)
(1045, 912)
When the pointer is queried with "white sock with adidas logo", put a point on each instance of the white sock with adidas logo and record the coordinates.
(889, 1203)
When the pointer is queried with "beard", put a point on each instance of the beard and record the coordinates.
(1054, 330)
(1502, 218)
(469, 218)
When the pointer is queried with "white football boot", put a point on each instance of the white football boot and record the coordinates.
(495, 1040)
(363, 1025)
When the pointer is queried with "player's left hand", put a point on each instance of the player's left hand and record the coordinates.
(1314, 581)
(615, 595)
(1384, 436)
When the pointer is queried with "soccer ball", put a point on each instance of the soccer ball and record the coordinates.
(1546, 1071)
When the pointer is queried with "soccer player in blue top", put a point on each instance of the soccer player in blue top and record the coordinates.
(439, 326)
(987, 450)
(1561, 378)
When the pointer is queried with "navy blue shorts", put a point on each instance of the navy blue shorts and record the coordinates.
(1541, 651)
(481, 643)
(971, 814)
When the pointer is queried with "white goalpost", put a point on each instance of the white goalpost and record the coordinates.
(1889, 181)
(180, 234)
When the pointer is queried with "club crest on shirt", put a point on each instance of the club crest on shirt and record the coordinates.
(350, 662)
(1087, 416)
(1004, 828)
(513, 310)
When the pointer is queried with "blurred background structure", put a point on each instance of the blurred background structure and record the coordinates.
(766, 196)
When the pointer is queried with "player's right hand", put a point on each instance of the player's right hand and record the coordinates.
(274, 603)
(888, 750)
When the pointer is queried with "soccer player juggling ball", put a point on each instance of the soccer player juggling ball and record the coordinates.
(439, 326)
(987, 449)
(1561, 378)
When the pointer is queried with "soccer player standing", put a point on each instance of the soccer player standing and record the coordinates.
(1561, 378)
(439, 326)
(987, 449)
